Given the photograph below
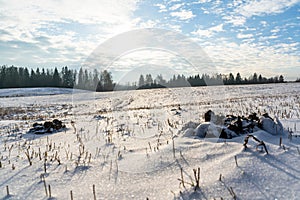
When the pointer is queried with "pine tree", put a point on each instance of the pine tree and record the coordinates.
(48, 79)
(56, 80)
(95, 80)
(231, 79)
(238, 78)
(281, 79)
(2, 76)
(160, 80)
(99, 87)
(80, 84)
(254, 80)
(141, 81)
(86, 82)
(67, 77)
(149, 80)
(32, 78)
(107, 81)
(260, 79)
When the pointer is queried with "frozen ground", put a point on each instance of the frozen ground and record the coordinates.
(123, 143)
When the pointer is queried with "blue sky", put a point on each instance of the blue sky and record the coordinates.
(238, 36)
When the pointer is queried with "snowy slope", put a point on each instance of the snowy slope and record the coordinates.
(121, 142)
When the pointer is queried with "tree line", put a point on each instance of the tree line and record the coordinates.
(17, 77)
(146, 81)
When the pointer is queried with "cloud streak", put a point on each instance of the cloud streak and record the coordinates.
(264, 7)
(183, 14)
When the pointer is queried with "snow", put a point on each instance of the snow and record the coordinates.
(132, 144)
(19, 92)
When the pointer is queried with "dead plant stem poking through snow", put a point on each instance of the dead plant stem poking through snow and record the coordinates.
(49, 188)
(45, 185)
(230, 189)
(7, 191)
(94, 192)
(196, 185)
(197, 177)
(280, 141)
(45, 167)
(173, 146)
(232, 193)
(182, 180)
(28, 156)
(260, 143)
(173, 143)
(236, 163)
(71, 194)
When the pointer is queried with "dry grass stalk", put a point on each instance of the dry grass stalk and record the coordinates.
(280, 141)
(197, 177)
(45, 185)
(94, 192)
(71, 194)
(236, 163)
(232, 193)
(28, 157)
(49, 188)
(181, 173)
(7, 191)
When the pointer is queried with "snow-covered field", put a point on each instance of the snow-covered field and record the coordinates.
(19, 92)
(133, 144)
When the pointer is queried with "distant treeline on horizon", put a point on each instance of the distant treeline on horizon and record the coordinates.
(19, 77)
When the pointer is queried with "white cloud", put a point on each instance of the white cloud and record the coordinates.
(202, 1)
(162, 7)
(275, 30)
(183, 14)
(263, 7)
(248, 58)
(27, 21)
(149, 23)
(92, 11)
(218, 28)
(267, 38)
(208, 32)
(244, 36)
(235, 20)
(273, 36)
(176, 6)
(202, 33)
(264, 23)
(242, 10)
(284, 48)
